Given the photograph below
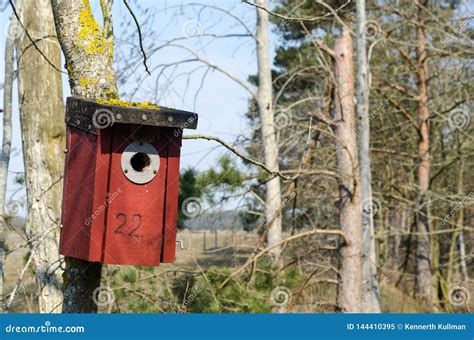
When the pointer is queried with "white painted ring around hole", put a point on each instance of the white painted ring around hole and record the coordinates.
(140, 162)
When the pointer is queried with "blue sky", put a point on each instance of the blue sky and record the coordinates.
(221, 103)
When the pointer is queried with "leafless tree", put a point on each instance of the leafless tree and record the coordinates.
(370, 294)
(41, 116)
(88, 50)
(7, 141)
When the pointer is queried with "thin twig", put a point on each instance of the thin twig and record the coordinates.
(325, 120)
(31, 39)
(23, 271)
(284, 17)
(140, 38)
(238, 153)
(18, 281)
(289, 239)
(325, 48)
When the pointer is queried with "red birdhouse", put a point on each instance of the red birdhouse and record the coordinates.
(121, 182)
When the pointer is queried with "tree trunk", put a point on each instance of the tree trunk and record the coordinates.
(396, 228)
(270, 148)
(42, 124)
(88, 50)
(460, 223)
(424, 286)
(7, 140)
(349, 288)
(370, 293)
(462, 254)
(459, 243)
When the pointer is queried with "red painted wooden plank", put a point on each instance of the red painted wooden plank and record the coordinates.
(65, 178)
(78, 194)
(99, 203)
(135, 216)
(83, 215)
(172, 190)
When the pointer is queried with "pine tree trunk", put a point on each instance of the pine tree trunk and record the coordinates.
(424, 286)
(88, 50)
(270, 148)
(42, 124)
(370, 293)
(349, 288)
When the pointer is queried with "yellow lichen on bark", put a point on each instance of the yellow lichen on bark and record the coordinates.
(90, 35)
(140, 105)
(84, 82)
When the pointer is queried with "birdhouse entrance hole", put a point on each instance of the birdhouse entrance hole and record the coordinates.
(140, 161)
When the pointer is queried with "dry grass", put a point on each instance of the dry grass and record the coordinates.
(225, 249)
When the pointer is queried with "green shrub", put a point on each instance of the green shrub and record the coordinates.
(248, 293)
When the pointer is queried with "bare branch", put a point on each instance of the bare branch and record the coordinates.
(31, 39)
(140, 38)
(325, 120)
(289, 239)
(325, 48)
(238, 153)
(23, 271)
(311, 19)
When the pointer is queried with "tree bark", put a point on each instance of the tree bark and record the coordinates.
(7, 140)
(458, 235)
(270, 148)
(370, 293)
(88, 50)
(462, 254)
(349, 288)
(424, 286)
(396, 228)
(42, 124)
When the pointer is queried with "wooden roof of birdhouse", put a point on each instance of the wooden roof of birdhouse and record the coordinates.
(92, 115)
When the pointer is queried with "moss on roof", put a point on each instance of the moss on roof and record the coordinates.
(118, 102)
